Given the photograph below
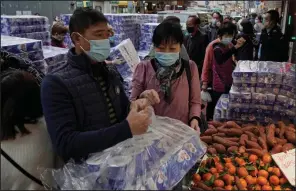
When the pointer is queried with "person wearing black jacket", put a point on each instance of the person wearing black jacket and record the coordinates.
(195, 43)
(246, 52)
(274, 45)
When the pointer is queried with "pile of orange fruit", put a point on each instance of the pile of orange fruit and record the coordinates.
(247, 172)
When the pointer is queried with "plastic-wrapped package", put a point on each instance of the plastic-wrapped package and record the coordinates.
(13, 30)
(263, 99)
(244, 87)
(289, 78)
(54, 55)
(288, 91)
(268, 88)
(270, 72)
(33, 55)
(143, 53)
(221, 108)
(245, 72)
(18, 45)
(23, 20)
(157, 160)
(240, 97)
(43, 36)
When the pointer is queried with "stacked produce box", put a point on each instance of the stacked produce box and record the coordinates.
(65, 18)
(26, 26)
(261, 91)
(240, 157)
(147, 30)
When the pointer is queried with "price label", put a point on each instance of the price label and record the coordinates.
(286, 162)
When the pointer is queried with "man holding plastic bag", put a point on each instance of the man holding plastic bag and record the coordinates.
(84, 104)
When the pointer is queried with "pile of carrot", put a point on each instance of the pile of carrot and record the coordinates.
(229, 137)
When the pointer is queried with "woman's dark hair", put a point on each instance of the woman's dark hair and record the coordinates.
(59, 28)
(172, 19)
(247, 27)
(196, 19)
(167, 32)
(83, 18)
(227, 28)
(20, 99)
(220, 16)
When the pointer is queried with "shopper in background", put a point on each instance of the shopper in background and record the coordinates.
(218, 69)
(84, 103)
(24, 136)
(58, 33)
(183, 52)
(274, 45)
(195, 43)
(213, 27)
(246, 52)
(252, 18)
(166, 73)
(258, 24)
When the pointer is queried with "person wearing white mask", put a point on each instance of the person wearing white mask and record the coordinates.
(223, 63)
(84, 104)
(168, 74)
(213, 27)
(258, 24)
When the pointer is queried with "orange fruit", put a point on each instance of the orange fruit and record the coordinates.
(219, 183)
(270, 169)
(216, 175)
(261, 181)
(261, 163)
(228, 179)
(277, 188)
(263, 173)
(254, 172)
(289, 189)
(207, 176)
(213, 170)
(257, 187)
(227, 160)
(219, 167)
(242, 172)
(228, 187)
(253, 158)
(229, 164)
(266, 158)
(250, 180)
(231, 170)
(266, 187)
(276, 171)
(283, 180)
(274, 180)
(196, 178)
(243, 182)
(216, 159)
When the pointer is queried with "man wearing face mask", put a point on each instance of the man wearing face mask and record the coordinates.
(58, 32)
(195, 43)
(274, 45)
(213, 27)
(84, 104)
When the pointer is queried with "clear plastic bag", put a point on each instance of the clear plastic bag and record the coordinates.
(206, 97)
(157, 160)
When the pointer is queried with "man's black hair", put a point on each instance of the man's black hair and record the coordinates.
(167, 32)
(247, 27)
(83, 18)
(172, 19)
(20, 99)
(227, 28)
(260, 18)
(196, 19)
(274, 15)
(220, 16)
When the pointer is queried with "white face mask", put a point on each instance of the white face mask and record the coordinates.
(226, 41)
(256, 21)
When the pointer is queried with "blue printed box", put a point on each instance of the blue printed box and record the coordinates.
(18, 45)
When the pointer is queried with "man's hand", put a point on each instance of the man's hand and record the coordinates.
(240, 42)
(151, 95)
(140, 104)
(138, 119)
(204, 87)
(194, 125)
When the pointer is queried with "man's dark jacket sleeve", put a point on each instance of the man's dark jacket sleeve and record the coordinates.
(63, 127)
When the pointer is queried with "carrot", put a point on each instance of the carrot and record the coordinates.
(242, 149)
(206, 139)
(210, 131)
(232, 124)
(282, 129)
(218, 188)
(281, 141)
(249, 128)
(219, 148)
(250, 134)
(234, 139)
(231, 131)
(287, 147)
(290, 136)
(253, 145)
(277, 131)
(232, 149)
(194, 188)
(254, 139)
(257, 152)
(276, 149)
(202, 186)
(224, 142)
(211, 126)
(212, 150)
(270, 135)
(242, 139)
(262, 143)
(215, 123)
(220, 134)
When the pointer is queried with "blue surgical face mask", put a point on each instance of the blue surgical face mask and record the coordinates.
(226, 41)
(167, 59)
(99, 49)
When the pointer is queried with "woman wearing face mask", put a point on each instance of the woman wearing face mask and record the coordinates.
(58, 33)
(258, 24)
(213, 27)
(222, 65)
(166, 73)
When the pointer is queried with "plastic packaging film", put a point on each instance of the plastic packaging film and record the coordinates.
(156, 160)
